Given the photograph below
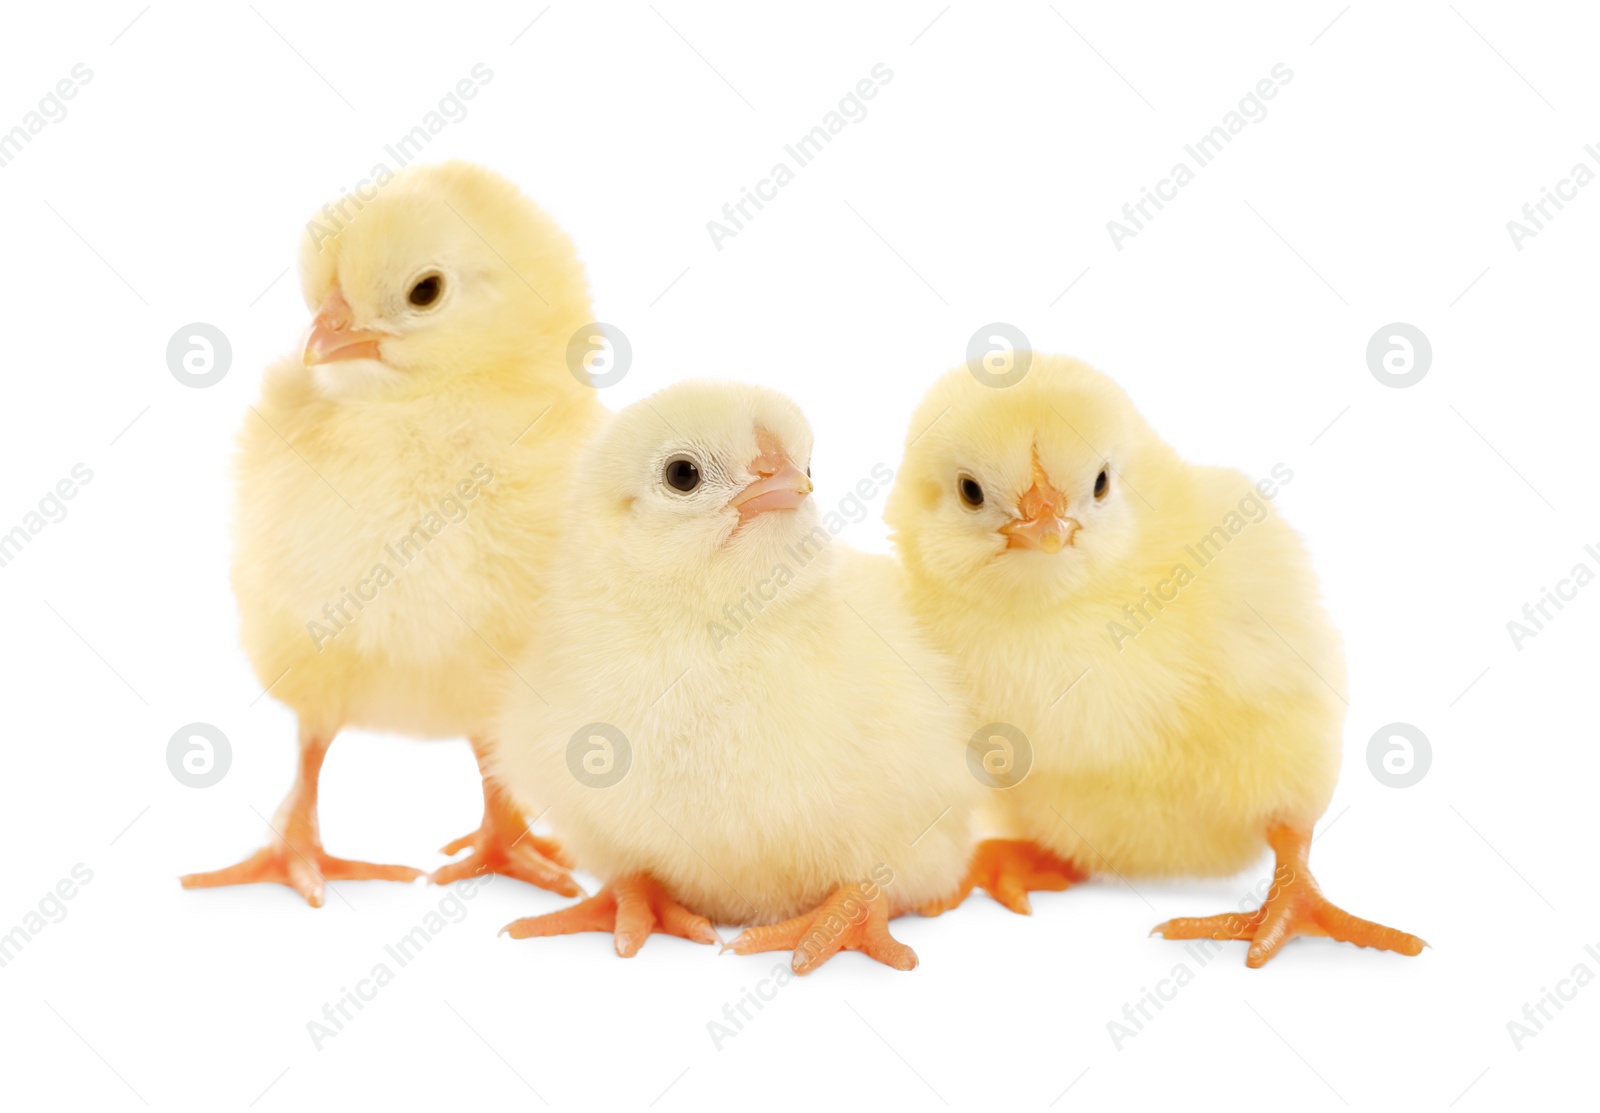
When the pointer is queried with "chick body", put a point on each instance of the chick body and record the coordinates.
(1167, 735)
(456, 587)
(778, 751)
(398, 488)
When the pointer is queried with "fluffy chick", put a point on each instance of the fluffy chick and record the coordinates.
(738, 720)
(1152, 627)
(398, 491)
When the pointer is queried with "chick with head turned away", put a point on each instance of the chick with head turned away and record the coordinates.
(398, 492)
(737, 720)
(1152, 628)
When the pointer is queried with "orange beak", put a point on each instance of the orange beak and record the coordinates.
(332, 339)
(1043, 523)
(779, 485)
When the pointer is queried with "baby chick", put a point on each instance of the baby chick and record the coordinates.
(399, 488)
(1151, 627)
(739, 721)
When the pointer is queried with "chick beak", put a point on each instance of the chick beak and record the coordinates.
(333, 339)
(779, 485)
(1042, 523)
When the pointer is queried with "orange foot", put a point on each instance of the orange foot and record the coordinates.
(1294, 906)
(302, 865)
(847, 921)
(1007, 869)
(295, 856)
(632, 908)
(504, 844)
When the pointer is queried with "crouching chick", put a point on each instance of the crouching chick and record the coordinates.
(736, 719)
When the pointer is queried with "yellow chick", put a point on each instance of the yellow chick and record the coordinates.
(399, 490)
(1152, 629)
(739, 720)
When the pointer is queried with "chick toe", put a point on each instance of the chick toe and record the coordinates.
(505, 844)
(304, 867)
(295, 856)
(847, 921)
(631, 908)
(1294, 906)
(1008, 870)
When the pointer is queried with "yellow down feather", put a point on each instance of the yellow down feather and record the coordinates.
(784, 728)
(395, 521)
(1172, 715)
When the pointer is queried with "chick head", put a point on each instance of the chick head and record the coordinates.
(1026, 492)
(701, 483)
(443, 271)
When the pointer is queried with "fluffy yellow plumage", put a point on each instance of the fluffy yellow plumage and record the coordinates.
(736, 718)
(1151, 626)
(398, 488)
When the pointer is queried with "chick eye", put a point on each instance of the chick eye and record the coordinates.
(682, 474)
(1101, 484)
(971, 493)
(426, 291)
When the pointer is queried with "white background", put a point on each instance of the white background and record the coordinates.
(977, 189)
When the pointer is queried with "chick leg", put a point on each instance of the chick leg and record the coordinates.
(505, 844)
(1008, 869)
(631, 908)
(295, 856)
(848, 920)
(1294, 906)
